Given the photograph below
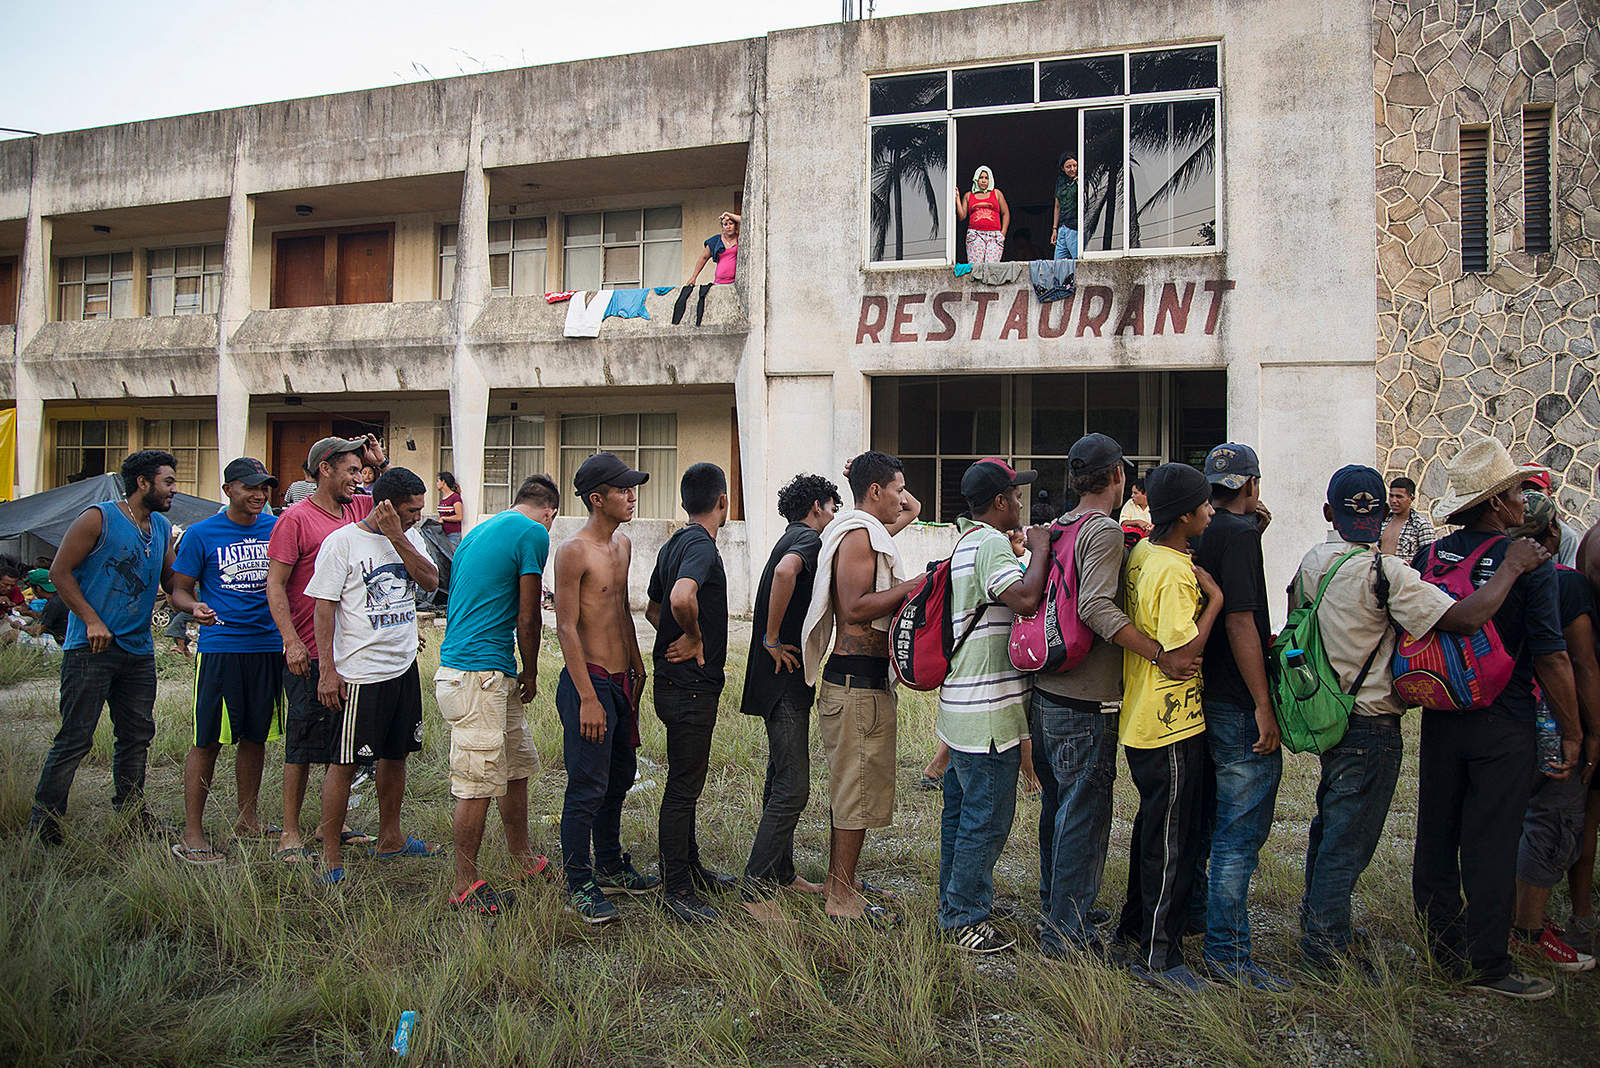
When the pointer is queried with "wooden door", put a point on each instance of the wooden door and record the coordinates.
(300, 274)
(8, 292)
(364, 275)
(291, 441)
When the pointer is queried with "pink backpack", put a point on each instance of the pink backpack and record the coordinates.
(1055, 639)
(1452, 672)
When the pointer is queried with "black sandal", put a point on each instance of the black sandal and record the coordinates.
(483, 900)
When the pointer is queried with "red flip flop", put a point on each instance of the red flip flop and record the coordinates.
(541, 867)
(482, 899)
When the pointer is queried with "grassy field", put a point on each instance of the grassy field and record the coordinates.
(114, 952)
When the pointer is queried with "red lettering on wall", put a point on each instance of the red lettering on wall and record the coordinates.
(947, 327)
(870, 329)
(1017, 318)
(1045, 329)
(1094, 320)
(1216, 289)
(1132, 314)
(983, 300)
(1171, 309)
(902, 316)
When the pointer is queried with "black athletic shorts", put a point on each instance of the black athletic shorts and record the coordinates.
(309, 727)
(380, 721)
(238, 697)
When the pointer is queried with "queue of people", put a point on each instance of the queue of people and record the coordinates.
(308, 631)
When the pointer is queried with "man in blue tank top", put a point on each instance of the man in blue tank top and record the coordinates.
(107, 570)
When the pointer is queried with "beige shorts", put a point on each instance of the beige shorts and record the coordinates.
(490, 744)
(858, 735)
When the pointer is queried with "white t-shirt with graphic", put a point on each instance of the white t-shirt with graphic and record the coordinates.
(375, 618)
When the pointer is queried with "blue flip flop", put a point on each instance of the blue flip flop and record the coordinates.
(412, 848)
(332, 876)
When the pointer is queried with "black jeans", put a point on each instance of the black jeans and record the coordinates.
(1472, 791)
(785, 793)
(690, 714)
(599, 776)
(1161, 854)
(89, 682)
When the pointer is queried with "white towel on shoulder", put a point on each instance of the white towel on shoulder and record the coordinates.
(817, 631)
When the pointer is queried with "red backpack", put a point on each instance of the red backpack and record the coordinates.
(1452, 672)
(922, 638)
(1054, 638)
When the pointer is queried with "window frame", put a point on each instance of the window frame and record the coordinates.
(175, 273)
(512, 251)
(642, 210)
(510, 448)
(82, 285)
(190, 457)
(1126, 100)
(114, 453)
(586, 449)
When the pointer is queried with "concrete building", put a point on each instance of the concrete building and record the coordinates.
(246, 281)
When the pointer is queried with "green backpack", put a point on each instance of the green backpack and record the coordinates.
(1313, 711)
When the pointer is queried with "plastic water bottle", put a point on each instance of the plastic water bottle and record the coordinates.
(1302, 680)
(402, 1033)
(1549, 739)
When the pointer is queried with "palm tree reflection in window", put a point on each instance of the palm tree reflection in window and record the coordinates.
(910, 159)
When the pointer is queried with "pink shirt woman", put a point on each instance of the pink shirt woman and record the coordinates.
(724, 248)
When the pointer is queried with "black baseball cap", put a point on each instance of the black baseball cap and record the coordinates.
(249, 471)
(606, 469)
(989, 477)
(1232, 465)
(1094, 452)
(1358, 500)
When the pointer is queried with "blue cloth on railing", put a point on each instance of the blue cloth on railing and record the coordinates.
(662, 291)
(1052, 279)
(963, 268)
(627, 304)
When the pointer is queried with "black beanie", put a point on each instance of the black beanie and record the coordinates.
(1175, 490)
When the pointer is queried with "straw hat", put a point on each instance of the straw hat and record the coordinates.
(1478, 472)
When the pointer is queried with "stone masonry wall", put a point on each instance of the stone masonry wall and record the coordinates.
(1510, 352)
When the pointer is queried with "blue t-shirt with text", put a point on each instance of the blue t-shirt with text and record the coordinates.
(485, 578)
(229, 565)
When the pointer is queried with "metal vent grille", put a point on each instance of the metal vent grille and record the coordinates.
(1474, 198)
(1536, 159)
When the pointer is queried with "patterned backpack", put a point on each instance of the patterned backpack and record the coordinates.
(1452, 672)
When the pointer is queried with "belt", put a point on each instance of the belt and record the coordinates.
(855, 682)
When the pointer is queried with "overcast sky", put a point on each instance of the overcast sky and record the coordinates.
(98, 62)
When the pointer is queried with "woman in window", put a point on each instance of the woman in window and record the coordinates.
(987, 217)
(724, 249)
(449, 506)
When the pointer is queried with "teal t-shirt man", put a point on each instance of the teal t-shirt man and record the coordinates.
(485, 574)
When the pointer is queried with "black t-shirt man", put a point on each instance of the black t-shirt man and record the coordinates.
(762, 685)
(691, 553)
(1572, 590)
(1529, 621)
(1230, 550)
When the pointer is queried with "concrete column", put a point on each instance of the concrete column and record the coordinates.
(750, 379)
(233, 396)
(469, 389)
(33, 311)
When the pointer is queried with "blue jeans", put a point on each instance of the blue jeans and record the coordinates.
(980, 803)
(1358, 779)
(126, 683)
(1079, 747)
(1066, 244)
(1241, 791)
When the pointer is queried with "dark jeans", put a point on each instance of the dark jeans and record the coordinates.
(690, 714)
(1161, 854)
(1239, 795)
(89, 682)
(1472, 790)
(599, 775)
(980, 803)
(1075, 756)
(785, 793)
(1358, 779)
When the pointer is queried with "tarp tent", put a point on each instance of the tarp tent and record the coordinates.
(33, 526)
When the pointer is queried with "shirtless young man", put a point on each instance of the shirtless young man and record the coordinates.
(598, 694)
(855, 704)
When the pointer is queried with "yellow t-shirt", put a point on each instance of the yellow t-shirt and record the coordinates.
(1163, 600)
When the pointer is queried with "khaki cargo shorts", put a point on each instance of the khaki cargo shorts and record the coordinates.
(490, 744)
(858, 735)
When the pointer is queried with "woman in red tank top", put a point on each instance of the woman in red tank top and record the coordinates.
(987, 216)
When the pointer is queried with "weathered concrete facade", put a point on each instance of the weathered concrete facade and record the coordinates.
(1510, 351)
(1267, 328)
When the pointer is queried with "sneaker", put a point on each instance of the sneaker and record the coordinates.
(1177, 979)
(1583, 933)
(45, 829)
(1098, 917)
(688, 907)
(1250, 974)
(1003, 911)
(588, 902)
(143, 821)
(980, 937)
(1329, 969)
(1551, 949)
(709, 882)
(626, 880)
(1515, 985)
